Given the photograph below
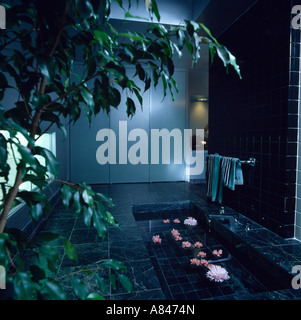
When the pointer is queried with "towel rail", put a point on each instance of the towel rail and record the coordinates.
(251, 161)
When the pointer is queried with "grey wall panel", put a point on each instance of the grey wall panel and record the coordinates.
(126, 169)
(83, 148)
(168, 114)
(156, 114)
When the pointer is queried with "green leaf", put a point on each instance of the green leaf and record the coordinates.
(36, 211)
(140, 71)
(84, 8)
(87, 215)
(37, 273)
(189, 46)
(67, 195)
(155, 10)
(115, 264)
(52, 165)
(3, 81)
(95, 296)
(47, 68)
(212, 54)
(100, 225)
(139, 97)
(91, 63)
(106, 199)
(50, 254)
(181, 38)
(101, 283)
(115, 97)
(227, 58)
(126, 283)
(5, 260)
(129, 15)
(147, 82)
(131, 108)
(101, 36)
(62, 129)
(77, 203)
(54, 291)
(27, 156)
(31, 197)
(48, 236)
(88, 199)
(209, 33)
(87, 96)
(170, 66)
(25, 288)
(39, 100)
(192, 27)
(79, 288)
(132, 36)
(40, 183)
(113, 281)
(111, 219)
(70, 250)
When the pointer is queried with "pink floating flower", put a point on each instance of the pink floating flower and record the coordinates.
(178, 238)
(195, 261)
(218, 253)
(217, 273)
(166, 221)
(186, 244)
(175, 232)
(157, 239)
(202, 254)
(177, 221)
(204, 262)
(198, 244)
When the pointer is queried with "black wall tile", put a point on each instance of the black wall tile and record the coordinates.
(258, 115)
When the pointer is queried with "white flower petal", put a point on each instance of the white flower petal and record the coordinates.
(217, 273)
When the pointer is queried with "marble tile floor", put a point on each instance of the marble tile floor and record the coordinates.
(146, 271)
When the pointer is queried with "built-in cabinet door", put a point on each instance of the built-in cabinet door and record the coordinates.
(128, 143)
(132, 151)
(83, 148)
(170, 115)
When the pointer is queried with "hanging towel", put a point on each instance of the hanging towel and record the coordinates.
(239, 179)
(236, 175)
(226, 166)
(222, 171)
(214, 178)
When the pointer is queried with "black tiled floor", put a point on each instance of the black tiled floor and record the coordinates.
(162, 274)
(180, 279)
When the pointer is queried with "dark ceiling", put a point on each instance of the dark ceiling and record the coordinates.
(219, 15)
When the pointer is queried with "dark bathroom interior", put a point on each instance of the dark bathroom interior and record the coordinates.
(254, 119)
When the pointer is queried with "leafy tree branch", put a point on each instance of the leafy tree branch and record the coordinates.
(42, 42)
